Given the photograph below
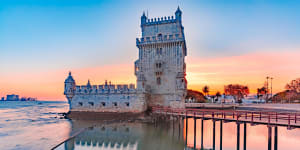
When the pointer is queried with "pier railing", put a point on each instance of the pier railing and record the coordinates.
(290, 119)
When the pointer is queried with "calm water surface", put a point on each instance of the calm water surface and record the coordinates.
(32, 125)
(38, 126)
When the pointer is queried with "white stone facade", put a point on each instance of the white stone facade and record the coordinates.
(160, 71)
(161, 67)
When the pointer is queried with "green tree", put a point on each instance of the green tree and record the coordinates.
(205, 90)
(218, 94)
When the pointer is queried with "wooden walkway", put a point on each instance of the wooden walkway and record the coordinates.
(291, 120)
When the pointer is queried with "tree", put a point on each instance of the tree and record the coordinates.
(205, 90)
(261, 92)
(218, 94)
(237, 91)
(196, 95)
(294, 85)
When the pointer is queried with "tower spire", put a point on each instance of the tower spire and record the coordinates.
(178, 14)
(143, 19)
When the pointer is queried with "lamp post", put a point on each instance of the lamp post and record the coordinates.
(271, 89)
(267, 88)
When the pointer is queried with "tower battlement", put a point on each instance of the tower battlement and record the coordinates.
(161, 20)
(152, 21)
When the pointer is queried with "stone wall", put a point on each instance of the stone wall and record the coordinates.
(106, 103)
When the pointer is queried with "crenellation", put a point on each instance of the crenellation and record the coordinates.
(162, 20)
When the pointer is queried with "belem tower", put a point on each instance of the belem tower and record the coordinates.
(160, 73)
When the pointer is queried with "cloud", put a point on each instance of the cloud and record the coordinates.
(250, 69)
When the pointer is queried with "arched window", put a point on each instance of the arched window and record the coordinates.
(158, 80)
(91, 103)
(159, 36)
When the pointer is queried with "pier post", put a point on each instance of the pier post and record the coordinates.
(195, 127)
(269, 138)
(245, 136)
(259, 115)
(238, 136)
(179, 122)
(221, 134)
(186, 129)
(275, 137)
(202, 134)
(214, 134)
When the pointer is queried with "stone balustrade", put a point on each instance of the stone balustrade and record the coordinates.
(158, 39)
(105, 89)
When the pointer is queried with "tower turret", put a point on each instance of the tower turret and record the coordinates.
(69, 87)
(143, 19)
(178, 14)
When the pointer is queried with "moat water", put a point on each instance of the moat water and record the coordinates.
(38, 125)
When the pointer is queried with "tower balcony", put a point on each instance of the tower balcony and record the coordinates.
(159, 39)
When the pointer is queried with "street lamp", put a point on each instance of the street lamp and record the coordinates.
(267, 88)
(271, 89)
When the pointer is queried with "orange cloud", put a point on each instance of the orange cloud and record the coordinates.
(50, 85)
(249, 69)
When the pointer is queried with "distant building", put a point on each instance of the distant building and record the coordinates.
(12, 97)
(3, 98)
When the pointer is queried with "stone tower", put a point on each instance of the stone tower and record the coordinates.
(160, 68)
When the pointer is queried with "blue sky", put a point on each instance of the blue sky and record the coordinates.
(44, 35)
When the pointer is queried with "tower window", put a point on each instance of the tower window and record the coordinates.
(159, 36)
(91, 103)
(127, 104)
(115, 103)
(158, 80)
(80, 103)
(103, 103)
(158, 65)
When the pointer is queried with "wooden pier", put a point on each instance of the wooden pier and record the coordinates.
(253, 117)
(271, 119)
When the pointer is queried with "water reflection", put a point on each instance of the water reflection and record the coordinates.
(181, 134)
(131, 136)
(217, 134)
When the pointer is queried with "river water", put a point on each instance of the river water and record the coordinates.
(32, 125)
(38, 126)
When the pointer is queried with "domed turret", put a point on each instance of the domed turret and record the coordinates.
(69, 78)
(69, 86)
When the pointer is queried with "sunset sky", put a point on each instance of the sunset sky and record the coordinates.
(228, 41)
